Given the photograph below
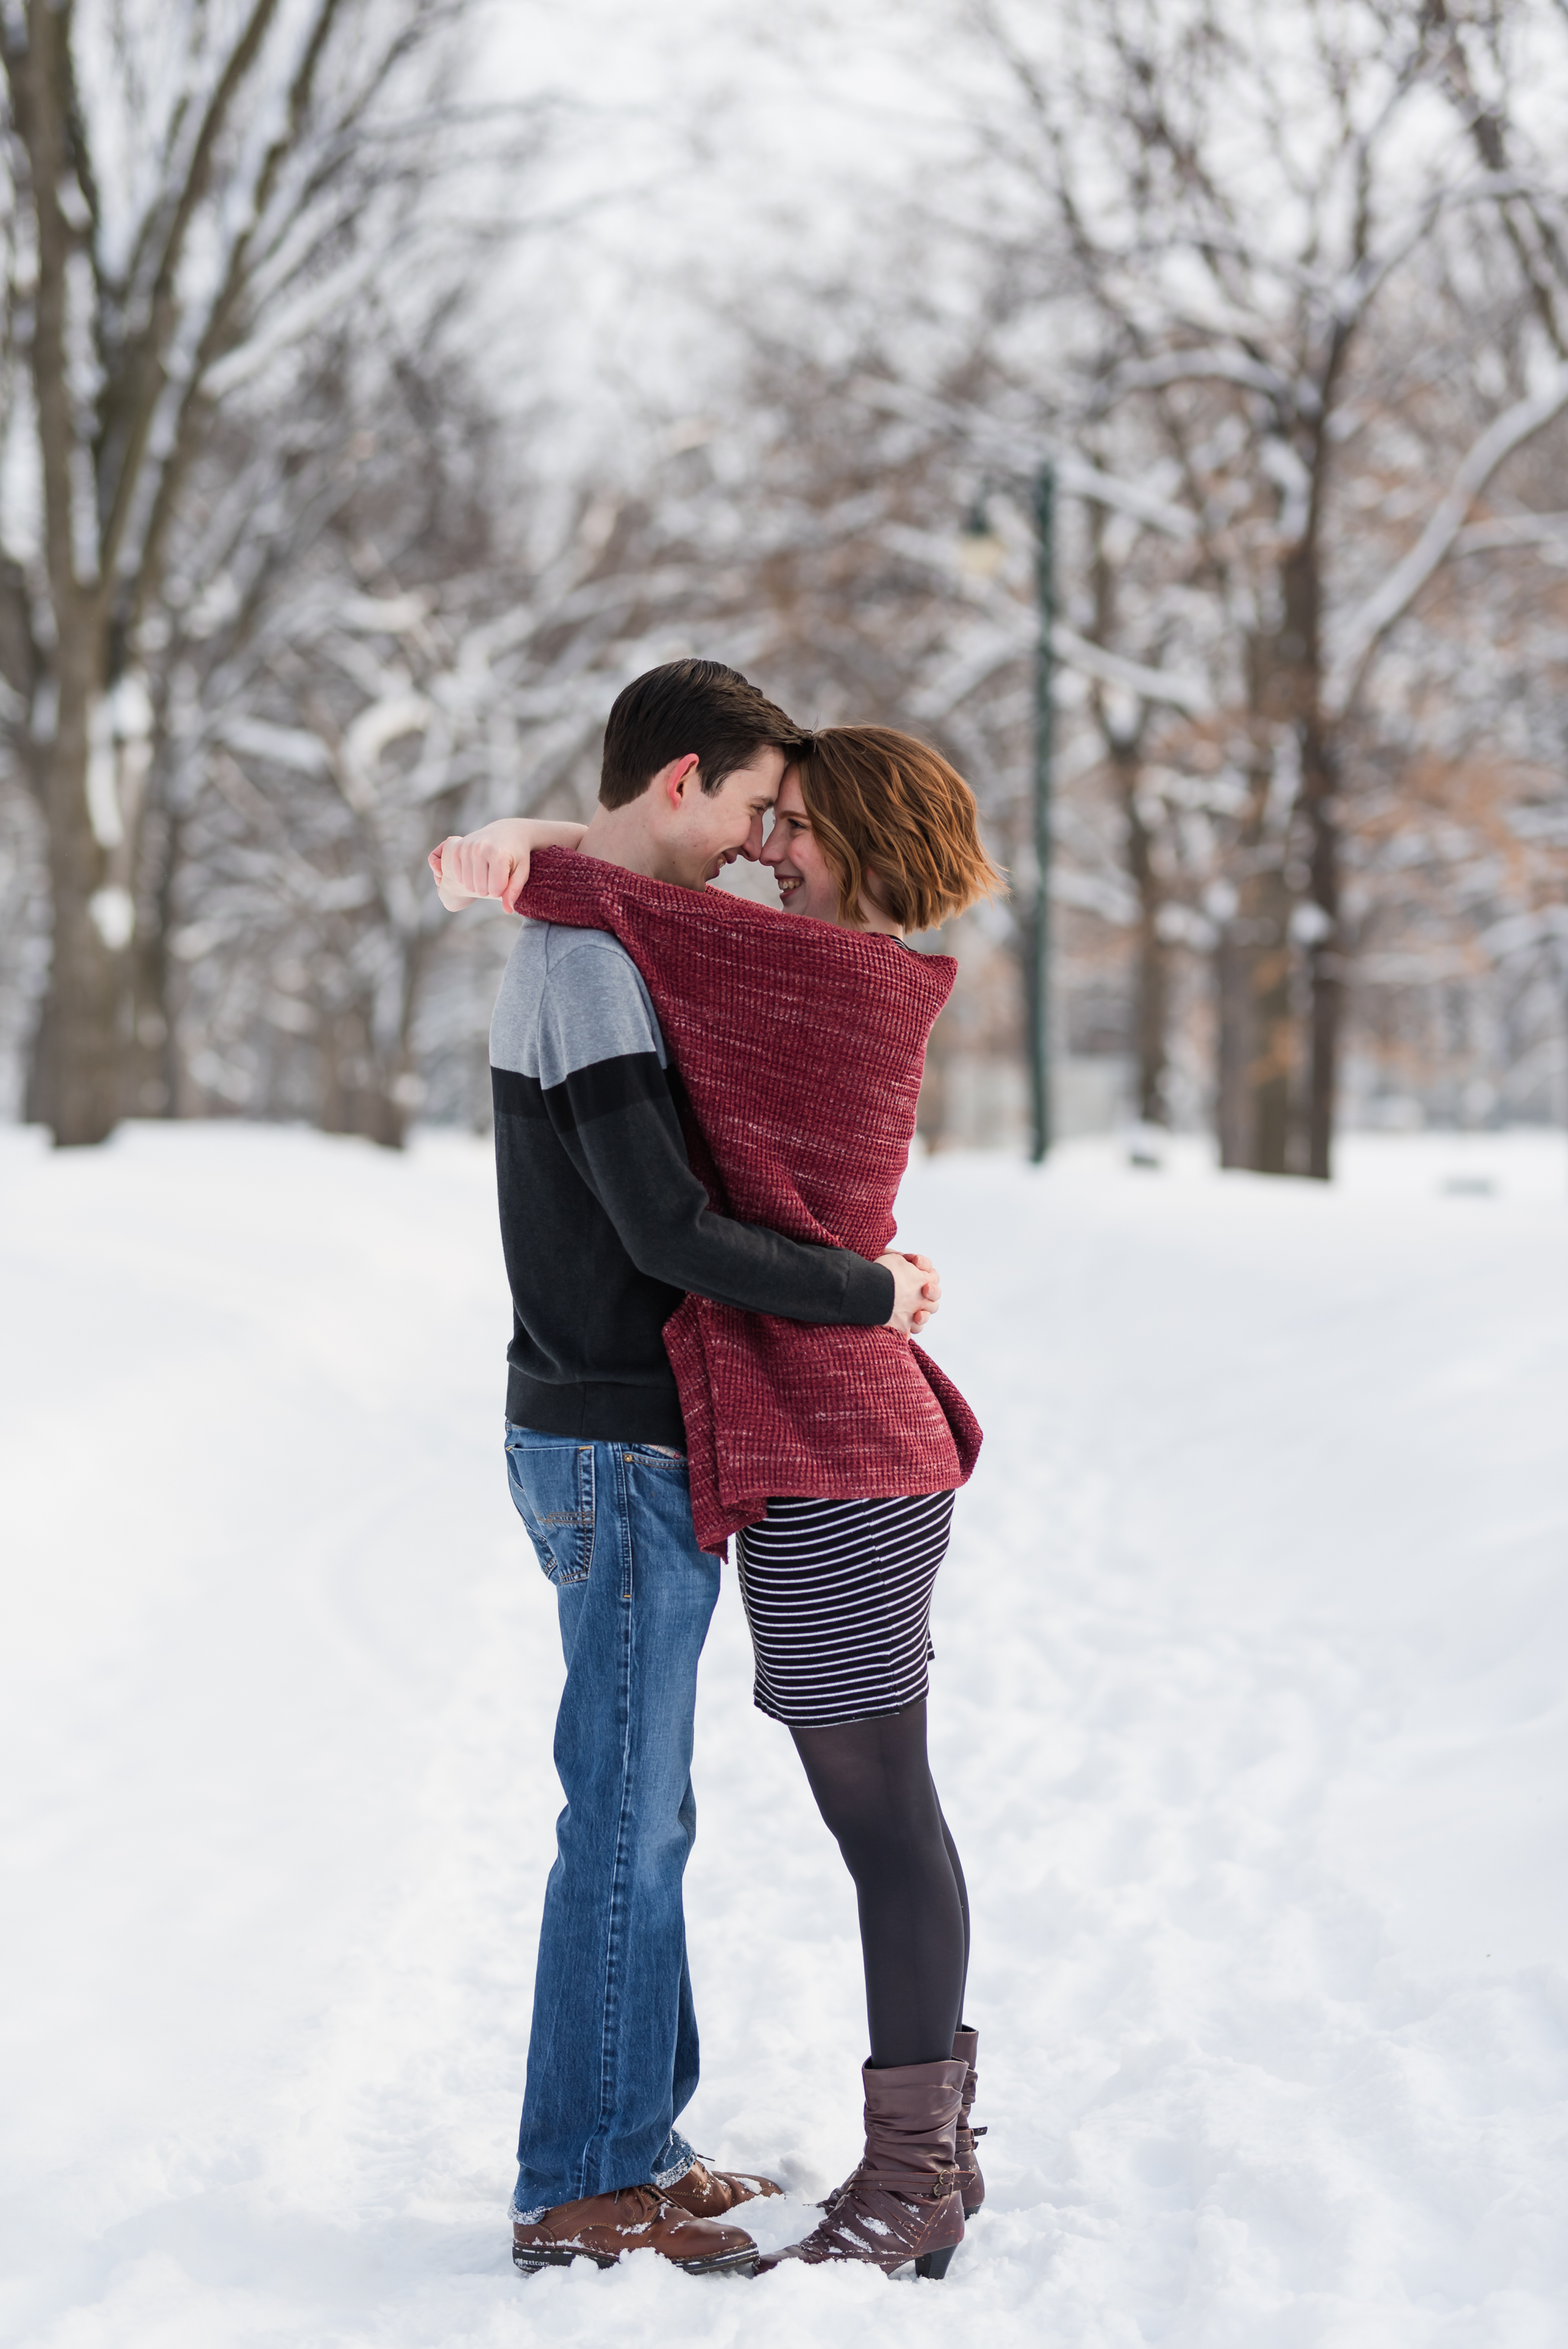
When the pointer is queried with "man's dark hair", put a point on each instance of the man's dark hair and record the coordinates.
(687, 705)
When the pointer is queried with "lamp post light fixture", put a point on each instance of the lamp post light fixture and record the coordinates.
(982, 551)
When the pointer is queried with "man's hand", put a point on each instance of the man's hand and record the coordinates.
(916, 1291)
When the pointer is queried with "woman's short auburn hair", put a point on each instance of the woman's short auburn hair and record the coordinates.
(880, 798)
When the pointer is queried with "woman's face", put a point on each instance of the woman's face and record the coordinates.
(807, 884)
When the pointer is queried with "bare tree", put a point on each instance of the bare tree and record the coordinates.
(1245, 195)
(443, 650)
(192, 193)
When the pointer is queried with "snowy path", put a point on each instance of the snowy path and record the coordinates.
(1248, 1712)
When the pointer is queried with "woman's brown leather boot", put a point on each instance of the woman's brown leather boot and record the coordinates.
(902, 2203)
(971, 2184)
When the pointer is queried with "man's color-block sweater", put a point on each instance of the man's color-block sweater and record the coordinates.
(605, 1225)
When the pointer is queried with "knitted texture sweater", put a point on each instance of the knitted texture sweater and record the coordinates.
(800, 1046)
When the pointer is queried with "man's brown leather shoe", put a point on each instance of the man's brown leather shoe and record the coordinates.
(600, 2227)
(708, 2193)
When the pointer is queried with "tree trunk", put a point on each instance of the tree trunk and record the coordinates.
(332, 1114)
(1151, 983)
(359, 1093)
(1150, 1013)
(79, 1037)
(1233, 1048)
(80, 1041)
(1296, 1036)
(1267, 903)
(156, 1087)
(37, 1090)
(1257, 1040)
(1325, 960)
(387, 1120)
(1124, 747)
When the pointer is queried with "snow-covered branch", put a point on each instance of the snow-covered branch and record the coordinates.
(1215, 364)
(1016, 457)
(1366, 628)
(1157, 684)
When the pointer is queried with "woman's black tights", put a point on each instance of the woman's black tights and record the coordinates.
(874, 1788)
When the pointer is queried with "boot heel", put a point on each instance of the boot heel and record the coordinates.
(935, 2264)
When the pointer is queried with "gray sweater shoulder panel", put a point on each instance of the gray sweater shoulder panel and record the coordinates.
(568, 998)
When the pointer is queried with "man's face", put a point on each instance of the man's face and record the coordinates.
(702, 831)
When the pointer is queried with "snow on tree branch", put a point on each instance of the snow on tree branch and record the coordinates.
(1366, 628)
(1146, 684)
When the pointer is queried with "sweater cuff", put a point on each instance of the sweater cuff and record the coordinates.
(869, 1293)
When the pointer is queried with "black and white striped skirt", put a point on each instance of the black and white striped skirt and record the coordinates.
(838, 1596)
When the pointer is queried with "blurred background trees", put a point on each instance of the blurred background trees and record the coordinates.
(380, 397)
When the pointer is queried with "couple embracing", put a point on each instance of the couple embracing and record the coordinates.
(702, 1110)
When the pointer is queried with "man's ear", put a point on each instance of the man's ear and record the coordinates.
(681, 771)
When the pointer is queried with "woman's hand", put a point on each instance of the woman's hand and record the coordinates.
(916, 1291)
(494, 861)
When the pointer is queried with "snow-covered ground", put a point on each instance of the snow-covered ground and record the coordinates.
(1248, 1712)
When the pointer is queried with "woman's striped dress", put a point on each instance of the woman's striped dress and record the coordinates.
(838, 1596)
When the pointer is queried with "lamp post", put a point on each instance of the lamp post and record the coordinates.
(982, 554)
(1039, 938)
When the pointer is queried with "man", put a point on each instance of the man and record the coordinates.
(605, 1227)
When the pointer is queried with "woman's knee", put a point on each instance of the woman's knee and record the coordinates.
(902, 1832)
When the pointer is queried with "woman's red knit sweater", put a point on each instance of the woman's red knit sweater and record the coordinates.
(799, 1048)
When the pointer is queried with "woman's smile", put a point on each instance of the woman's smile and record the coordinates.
(807, 882)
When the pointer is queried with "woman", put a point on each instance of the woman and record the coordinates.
(874, 834)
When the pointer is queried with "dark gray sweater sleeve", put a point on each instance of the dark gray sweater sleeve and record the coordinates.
(607, 1095)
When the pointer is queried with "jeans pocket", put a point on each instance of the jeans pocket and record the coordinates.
(552, 1492)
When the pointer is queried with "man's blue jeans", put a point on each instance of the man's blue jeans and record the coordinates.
(613, 2055)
